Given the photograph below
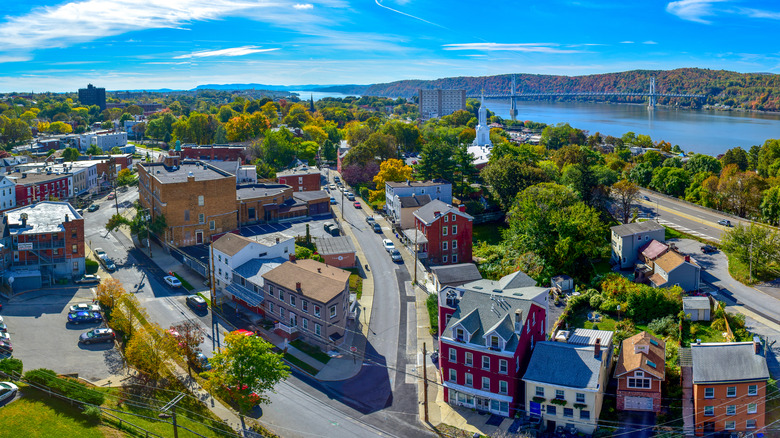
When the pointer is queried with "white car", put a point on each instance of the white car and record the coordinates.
(388, 244)
(85, 307)
(172, 281)
(7, 390)
(99, 253)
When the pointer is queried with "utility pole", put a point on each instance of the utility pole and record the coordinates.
(172, 407)
(750, 268)
(415, 252)
(425, 382)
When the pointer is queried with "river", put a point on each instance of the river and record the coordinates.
(703, 131)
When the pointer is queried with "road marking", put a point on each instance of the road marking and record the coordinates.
(411, 373)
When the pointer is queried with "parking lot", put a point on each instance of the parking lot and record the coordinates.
(293, 228)
(42, 337)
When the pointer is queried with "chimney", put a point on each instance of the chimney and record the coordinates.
(292, 257)
(757, 344)
(597, 348)
(462, 208)
(277, 240)
(319, 270)
(518, 320)
(688, 258)
(436, 213)
(24, 221)
(298, 286)
(67, 218)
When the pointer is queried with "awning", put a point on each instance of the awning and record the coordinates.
(415, 235)
(477, 392)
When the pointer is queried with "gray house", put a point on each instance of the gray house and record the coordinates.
(697, 307)
(628, 238)
(675, 269)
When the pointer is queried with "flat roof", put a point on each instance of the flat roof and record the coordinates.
(43, 217)
(179, 174)
(251, 191)
(335, 245)
(303, 170)
(35, 177)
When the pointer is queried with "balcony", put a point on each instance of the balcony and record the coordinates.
(248, 296)
(52, 244)
(285, 328)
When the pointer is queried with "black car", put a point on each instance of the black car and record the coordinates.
(86, 317)
(93, 207)
(707, 249)
(377, 228)
(196, 302)
(98, 335)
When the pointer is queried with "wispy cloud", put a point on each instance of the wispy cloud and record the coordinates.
(651, 42)
(626, 42)
(302, 6)
(11, 58)
(759, 13)
(513, 47)
(233, 51)
(693, 10)
(379, 3)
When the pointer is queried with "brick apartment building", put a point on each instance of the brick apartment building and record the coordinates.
(301, 179)
(447, 230)
(40, 185)
(47, 240)
(197, 200)
(261, 203)
(487, 330)
(213, 152)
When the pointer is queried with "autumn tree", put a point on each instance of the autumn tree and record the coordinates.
(188, 340)
(109, 292)
(390, 170)
(148, 350)
(625, 193)
(756, 246)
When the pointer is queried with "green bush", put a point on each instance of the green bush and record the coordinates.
(40, 376)
(11, 366)
(68, 388)
(91, 266)
(666, 326)
(93, 413)
(432, 303)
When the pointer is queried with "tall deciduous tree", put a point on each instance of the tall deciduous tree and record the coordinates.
(753, 245)
(189, 337)
(70, 154)
(625, 193)
(109, 292)
(390, 170)
(506, 177)
(436, 161)
(148, 350)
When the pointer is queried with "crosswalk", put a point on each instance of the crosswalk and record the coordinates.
(687, 230)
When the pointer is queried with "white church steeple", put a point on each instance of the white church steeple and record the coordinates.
(483, 131)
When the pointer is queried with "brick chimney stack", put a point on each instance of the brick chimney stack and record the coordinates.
(298, 286)
(597, 348)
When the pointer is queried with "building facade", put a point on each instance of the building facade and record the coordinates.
(301, 179)
(437, 103)
(197, 200)
(105, 140)
(448, 231)
(265, 202)
(7, 193)
(337, 251)
(435, 189)
(93, 96)
(213, 152)
(39, 186)
(627, 239)
(482, 130)
(640, 372)
(404, 208)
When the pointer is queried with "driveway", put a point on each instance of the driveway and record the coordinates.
(636, 424)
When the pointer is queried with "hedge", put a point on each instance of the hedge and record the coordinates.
(69, 388)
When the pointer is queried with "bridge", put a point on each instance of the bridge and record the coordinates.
(652, 95)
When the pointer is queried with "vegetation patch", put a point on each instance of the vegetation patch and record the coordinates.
(300, 364)
(311, 350)
(488, 233)
(432, 303)
(184, 283)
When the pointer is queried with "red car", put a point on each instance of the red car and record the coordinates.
(111, 196)
(357, 204)
(244, 332)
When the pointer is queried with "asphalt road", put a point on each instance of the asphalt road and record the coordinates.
(684, 216)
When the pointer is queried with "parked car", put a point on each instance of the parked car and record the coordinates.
(86, 317)
(108, 264)
(724, 222)
(332, 200)
(6, 347)
(645, 198)
(3, 327)
(202, 362)
(707, 249)
(337, 179)
(87, 279)
(5, 337)
(97, 335)
(93, 208)
(388, 244)
(85, 307)
(370, 220)
(332, 186)
(111, 196)
(395, 255)
(377, 228)
(350, 196)
(99, 253)
(335, 232)
(357, 204)
(196, 302)
(7, 390)
(172, 281)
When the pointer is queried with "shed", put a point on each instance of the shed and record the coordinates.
(337, 251)
(697, 307)
(564, 283)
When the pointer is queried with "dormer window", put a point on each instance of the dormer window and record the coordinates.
(459, 334)
(494, 343)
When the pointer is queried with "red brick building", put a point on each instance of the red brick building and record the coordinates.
(448, 231)
(301, 179)
(487, 331)
(34, 186)
(222, 153)
(640, 373)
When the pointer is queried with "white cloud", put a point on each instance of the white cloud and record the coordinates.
(693, 10)
(650, 42)
(759, 13)
(11, 58)
(626, 42)
(301, 6)
(379, 3)
(233, 51)
(514, 47)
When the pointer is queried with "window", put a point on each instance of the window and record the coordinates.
(709, 411)
(317, 329)
(444, 245)
(219, 257)
(580, 397)
(469, 380)
(453, 355)
(281, 295)
(305, 306)
(446, 218)
(709, 392)
(452, 217)
(638, 383)
(219, 271)
(486, 383)
(281, 311)
(200, 200)
(212, 225)
(444, 259)
(459, 334)
(332, 311)
(270, 291)
(731, 425)
(731, 391)
(453, 375)
(485, 362)
(584, 415)
(502, 366)
(753, 390)
(752, 408)
(731, 410)
(494, 342)
(559, 394)
(444, 231)
(503, 387)
(454, 258)
(454, 230)
(317, 311)
(550, 409)
(201, 218)
(305, 323)
(568, 412)
(292, 300)
(469, 359)
(750, 424)
(75, 248)
(539, 391)
(186, 215)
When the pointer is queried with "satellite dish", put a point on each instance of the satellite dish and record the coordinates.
(23, 216)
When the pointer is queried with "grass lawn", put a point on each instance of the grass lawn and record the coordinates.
(38, 415)
(581, 321)
(701, 330)
(740, 271)
(355, 282)
(300, 364)
(490, 233)
(311, 350)
(184, 283)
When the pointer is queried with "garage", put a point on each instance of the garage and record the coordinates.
(638, 404)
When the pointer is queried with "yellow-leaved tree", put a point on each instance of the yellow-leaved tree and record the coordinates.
(390, 170)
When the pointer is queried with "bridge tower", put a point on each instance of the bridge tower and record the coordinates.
(651, 95)
(513, 100)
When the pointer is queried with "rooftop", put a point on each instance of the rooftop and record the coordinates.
(641, 352)
(180, 174)
(263, 190)
(636, 227)
(572, 366)
(580, 336)
(335, 245)
(318, 281)
(654, 249)
(671, 260)
(314, 195)
(460, 273)
(414, 201)
(35, 177)
(43, 217)
(254, 269)
(727, 362)
(696, 303)
(430, 183)
(428, 212)
(230, 244)
(230, 167)
(302, 170)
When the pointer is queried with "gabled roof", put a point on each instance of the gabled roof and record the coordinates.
(414, 201)
(318, 281)
(630, 359)
(515, 280)
(230, 244)
(696, 303)
(427, 213)
(569, 365)
(657, 280)
(430, 183)
(727, 362)
(460, 273)
(254, 269)
(653, 249)
(671, 260)
(636, 227)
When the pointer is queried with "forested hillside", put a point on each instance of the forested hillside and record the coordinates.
(755, 91)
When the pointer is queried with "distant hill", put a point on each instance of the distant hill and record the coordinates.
(756, 91)
(256, 87)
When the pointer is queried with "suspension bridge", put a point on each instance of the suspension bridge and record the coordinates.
(651, 95)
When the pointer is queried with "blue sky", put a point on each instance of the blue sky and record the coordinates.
(148, 44)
